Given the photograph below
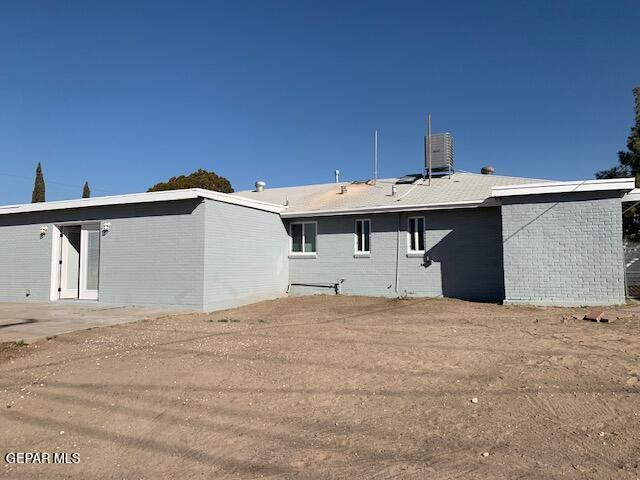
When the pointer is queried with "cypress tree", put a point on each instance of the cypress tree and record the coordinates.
(38, 187)
(86, 193)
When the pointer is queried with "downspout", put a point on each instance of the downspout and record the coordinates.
(398, 254)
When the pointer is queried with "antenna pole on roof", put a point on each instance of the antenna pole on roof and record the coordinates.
(375, 155)
(429, 144)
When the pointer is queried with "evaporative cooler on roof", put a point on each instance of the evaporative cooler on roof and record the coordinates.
(441, 153)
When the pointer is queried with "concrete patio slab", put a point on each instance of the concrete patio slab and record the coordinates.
(30, 321)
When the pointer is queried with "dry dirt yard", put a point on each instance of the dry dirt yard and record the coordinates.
(332, 387)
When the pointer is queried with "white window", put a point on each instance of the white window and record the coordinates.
(363, 236)
(416, 235)
(303, 237)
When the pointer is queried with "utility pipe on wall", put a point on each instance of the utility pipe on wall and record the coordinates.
(398, 254)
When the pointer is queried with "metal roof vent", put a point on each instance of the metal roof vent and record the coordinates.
(260, 186)
(487, 170)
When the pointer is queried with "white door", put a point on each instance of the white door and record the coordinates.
(89, 261)
(70, 261)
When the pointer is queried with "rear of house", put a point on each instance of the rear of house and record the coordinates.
(451, 253)
(475, 237)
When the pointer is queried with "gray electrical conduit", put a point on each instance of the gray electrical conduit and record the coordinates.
(398, 253)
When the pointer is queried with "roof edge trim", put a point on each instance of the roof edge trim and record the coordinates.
(238, 200)
(623, 184)
(632, 196)
(147, 197)
(391, 208)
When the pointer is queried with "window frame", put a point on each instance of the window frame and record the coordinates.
(424, 229)
(302, 253)
(356, 252)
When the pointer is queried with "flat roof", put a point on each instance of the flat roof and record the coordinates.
(462, 190)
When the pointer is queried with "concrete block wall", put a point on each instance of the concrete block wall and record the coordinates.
(25, 260)
(563, 250)
(151, 256)
(463, 256)
(246, 256)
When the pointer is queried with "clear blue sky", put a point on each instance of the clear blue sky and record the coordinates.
(126, 94)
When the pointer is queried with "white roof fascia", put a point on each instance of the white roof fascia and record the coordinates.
(563, 187)
(238, 200)
(632, 196)
(147, 197)
(390, 208)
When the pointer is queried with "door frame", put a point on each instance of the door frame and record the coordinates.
(83, 293)
(56, 245)
(69, 293)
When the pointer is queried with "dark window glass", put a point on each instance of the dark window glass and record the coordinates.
(296, 237)
(421, 234)
(367, 232)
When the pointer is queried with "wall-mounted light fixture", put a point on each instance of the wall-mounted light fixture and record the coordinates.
(43, 230)
(106, 226)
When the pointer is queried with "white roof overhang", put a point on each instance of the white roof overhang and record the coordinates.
(147, 197)
(390, 208)
(621, 184)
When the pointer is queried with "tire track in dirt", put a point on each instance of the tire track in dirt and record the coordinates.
(569, 407)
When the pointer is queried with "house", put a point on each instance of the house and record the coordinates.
(470, 236)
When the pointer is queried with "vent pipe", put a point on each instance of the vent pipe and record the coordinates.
(429, 147)
(343, 189)
(337, 174)
(394, 190)
(375, 155)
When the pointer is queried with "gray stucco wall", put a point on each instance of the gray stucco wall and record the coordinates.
(463, 246)
(245, 257)
(152, 254)
(564, 250)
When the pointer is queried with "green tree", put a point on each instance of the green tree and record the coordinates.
(198, 179)
(86, 193)
(38, 187)
(629, 161)
(629, 166)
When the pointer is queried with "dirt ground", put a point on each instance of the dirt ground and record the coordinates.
(332, 387)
